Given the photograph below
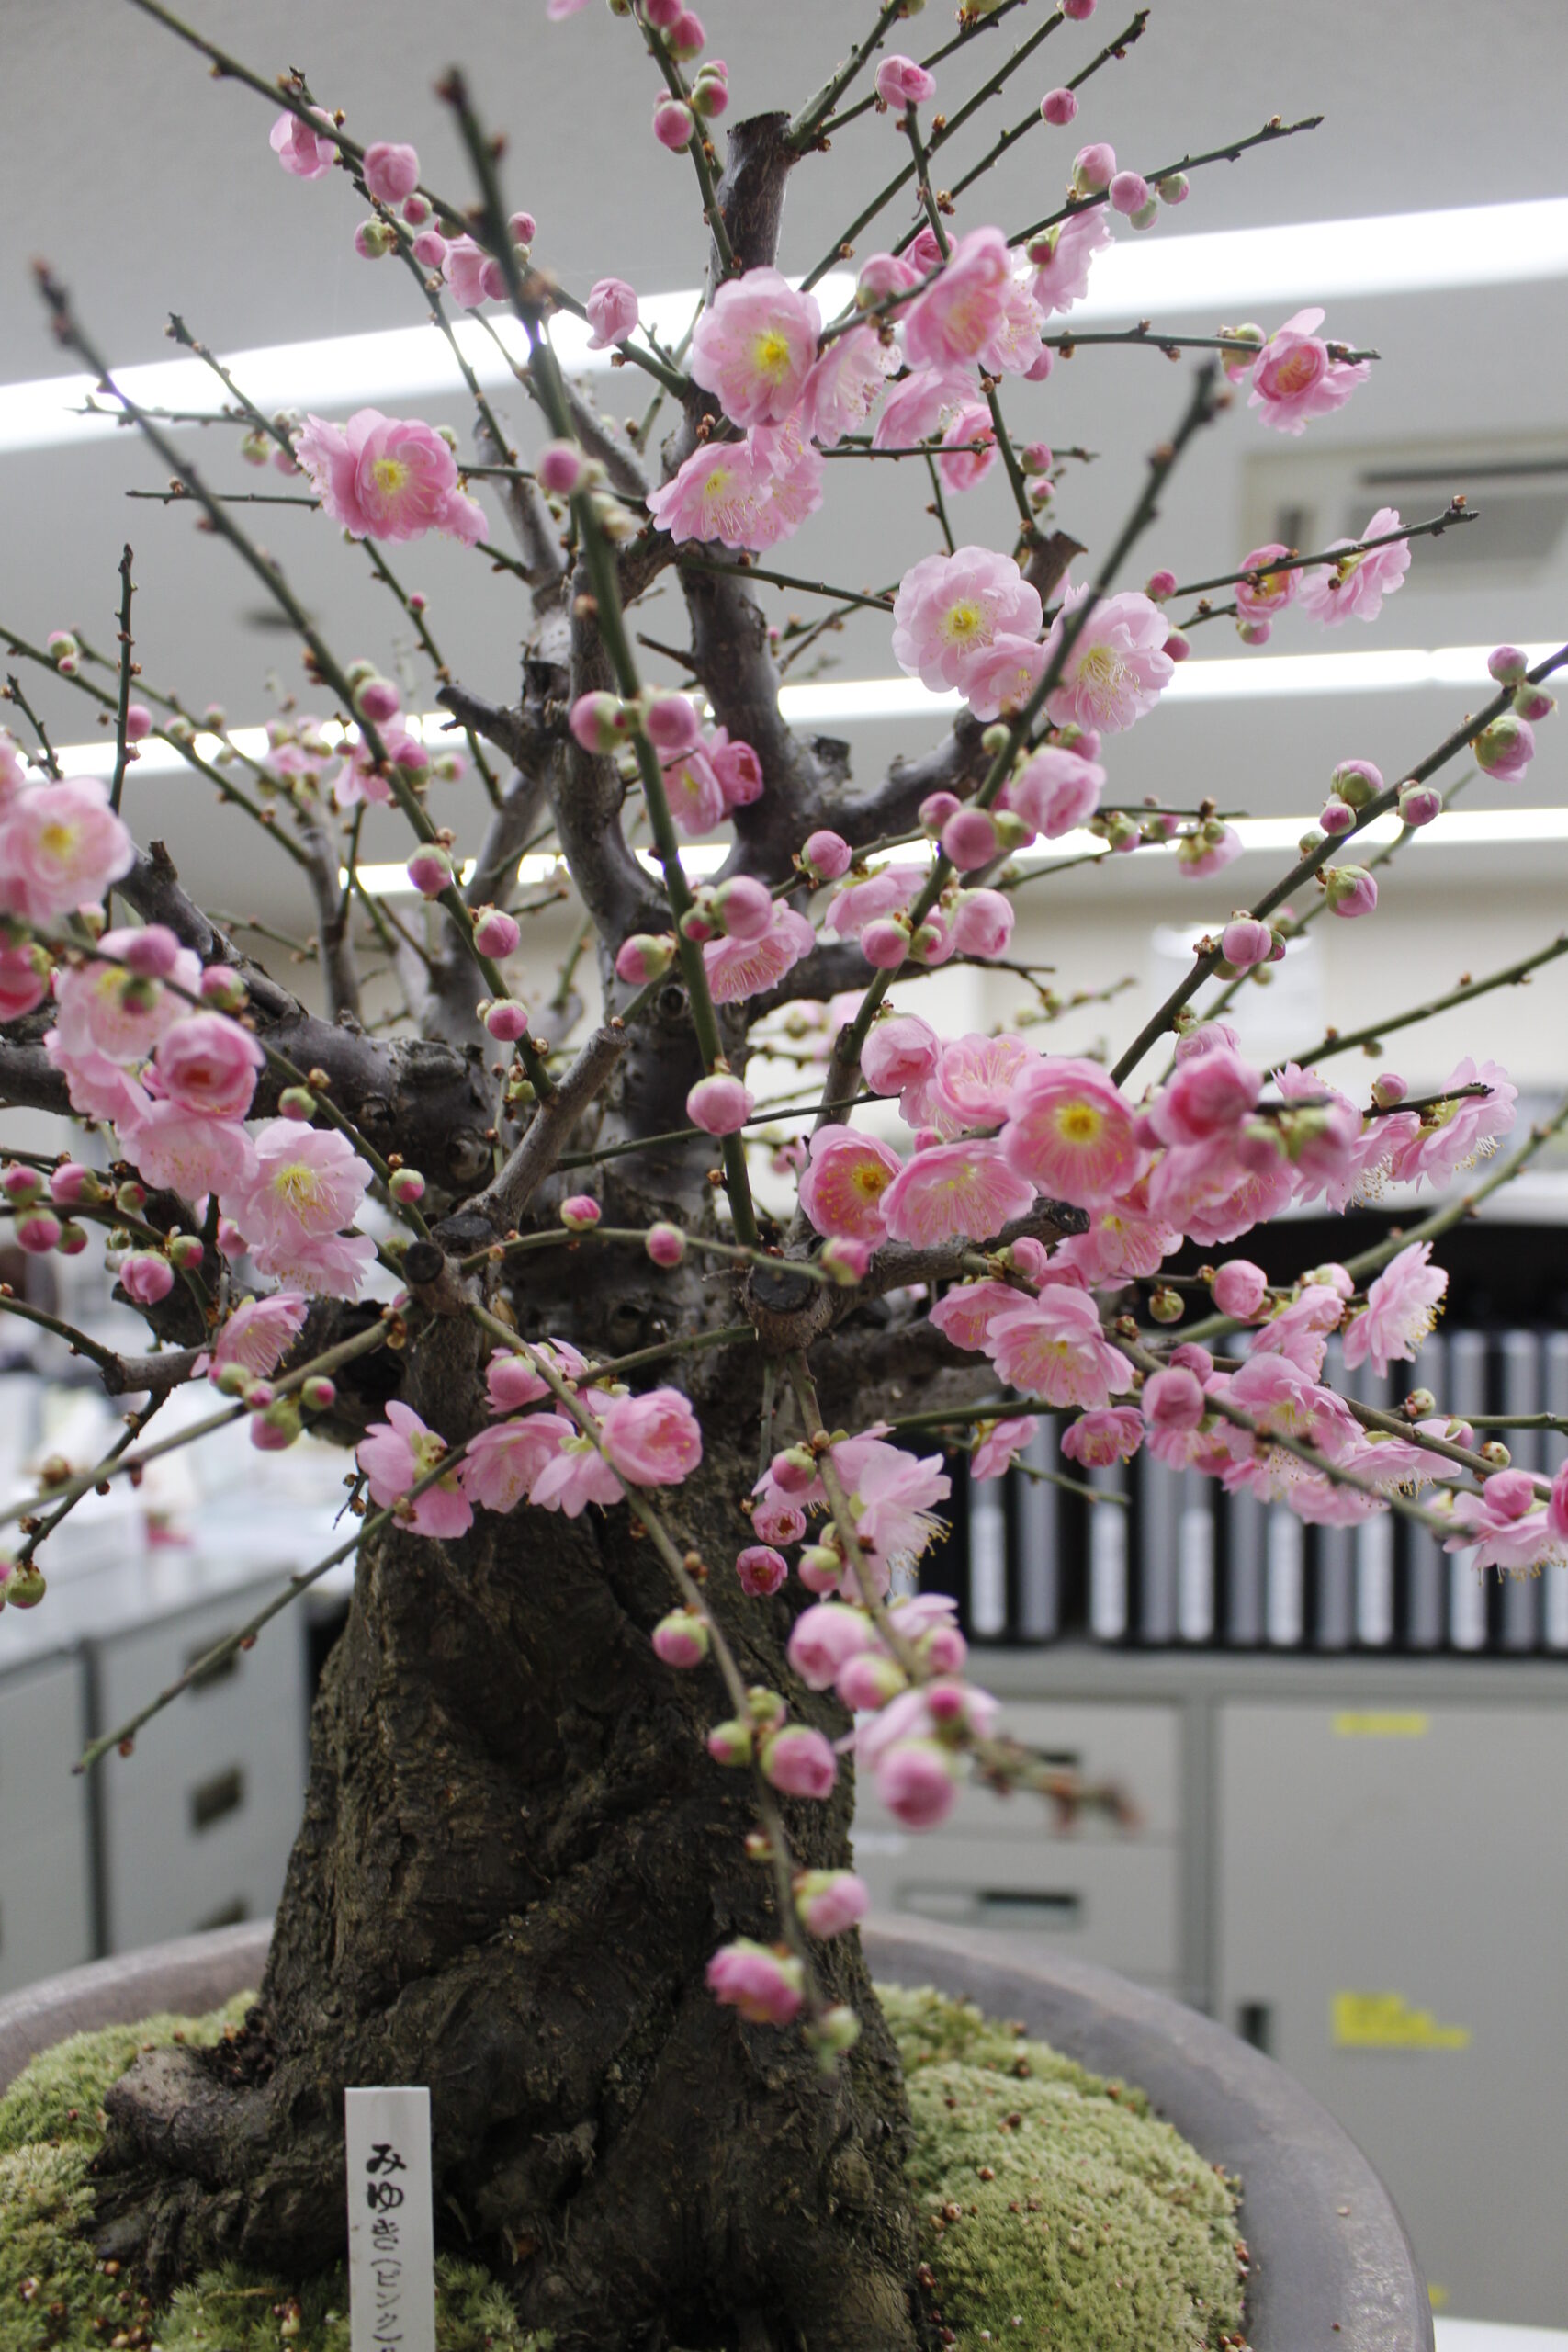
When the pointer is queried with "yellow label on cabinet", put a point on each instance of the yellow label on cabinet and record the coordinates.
(1387, 2022)
(1438, 2297)
(1380, 1726)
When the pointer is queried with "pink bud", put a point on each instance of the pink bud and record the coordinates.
(744, 907)
(1351, 890)
(495, 933)
(1130, 192)
(145, 1277)
(730, 1742)
(643, 957)
(275, 1429)
(37, 1232)
(820, 1568)
(721, 1105)
(673, 124)
(562, 467)
(1177, 645)
(377, 699)
(1240, 1289)
(391, 172)
(830, 1900)
(868, 1680)
(430, 871)
(884, 943)
(1059, 106)
(416, 211)
(681, 1638)
(152, 953)
(185, 1249)
(828, 855)
(800, 1762)
(507, 1020)
(522, 227)
(946, 1703)
(599, 721)
(21, 1184)
(71, 1182)
(1532, 702)
(793, 1470)
(406, 1185)
(672, 725)
(1094, 168)
(429, 249)
(846, 1259)
(223, 989)
(138, 722)
(761, 1569)
(936, 808)
(73, 1239)
(319, 1393)
(982, 925)
(1252, 632)
(1159, 586)
(1245, 942)
(1389, 1088)
(1191, 1357)
(1079, 10)
(1419, 803)
(374, 240)
(581, 1214)
(661, 13)
(686, 37)
(1507, 664)
(969, 838)
(942, 1650)
(1173, 1400)
(666, 1244)
(915, 1780)
(1336, 817)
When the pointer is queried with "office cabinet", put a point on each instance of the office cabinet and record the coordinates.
(1391, 1917)
(46, 1920)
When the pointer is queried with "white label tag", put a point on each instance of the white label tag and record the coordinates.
(391, 2250)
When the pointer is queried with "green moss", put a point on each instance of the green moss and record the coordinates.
(1054, 2210)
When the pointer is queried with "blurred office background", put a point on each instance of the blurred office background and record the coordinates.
(1348, 1753)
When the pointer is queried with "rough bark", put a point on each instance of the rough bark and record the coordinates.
(516, 1859)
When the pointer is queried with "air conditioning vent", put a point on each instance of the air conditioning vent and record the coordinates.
(1308, 498)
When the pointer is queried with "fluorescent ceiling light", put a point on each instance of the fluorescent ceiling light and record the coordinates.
(1392, 253)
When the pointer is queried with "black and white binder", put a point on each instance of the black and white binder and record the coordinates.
(1037, 1579)
(1243, 1522)
(1160, 1537)
(1195, 1558)
(1424, 1563)
(1467, 1585)
(1284, 1557)
(1519, 1389)
(1108, 1558)
(1554, 1578)
(988, 1560)
(1373, 1543)
(1334, 1548)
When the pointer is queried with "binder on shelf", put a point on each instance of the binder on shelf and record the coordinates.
(1159, 1536)
(1372, 1543)
(1284, 1558)
(1424, 1563)
(1519, 1391)
(1108, 1559)
(1244, 1546)
(1467, 1586)
(988, 1560)
(1334, 1548)
(1037, 1579)
(1195, 1558)
(1554, 1452)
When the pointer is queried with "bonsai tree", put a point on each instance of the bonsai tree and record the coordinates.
(645, 1379)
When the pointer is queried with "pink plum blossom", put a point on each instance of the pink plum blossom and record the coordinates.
(695, 794)
(918, 1781)
(1464, 1128)
(24, 978)
(964, 1314)
(845, 1184)
(963, 465)
(1503, 1525)
(755, 346)
(208, 1063)
(1052, 1347)
(1240, 1289)
(826, 855)
(1173, 1399)
(738, 969)
(303, 152)
(60, 844)
(824, 1637)
(1057, 792)
(307, 1185)
(1354, 588)
(830, 1902)
(391, 172)
(501, 1464)
(977, 1075)
(187, 1152)
(901, 1051)
(721, 1105)
(1260, 599)
(958, 315)
(1401, 1307)
(575, 1475)
(885, 892)
(383, 478)
(613, 313)
(845, 385)
(1294, 379)
(146, 1277)
(901, 83)
(652, 1440)
(1504, 750)
(951, 608)
(799, 1761)
(1001, 677)
(394, 1454)
(1208, 851)
(1096, 1439)
(982, 926)
(918, 404)
(742, 493)
(1000, 1446)
(1061, 257)
(259, 1333)
(956, 1190)
(764, 1985)
(761, 1569)
(1118, 666)
(737, 768)
(1207, 1096)
(1123, 1239)
(107, 1008)
(1070, 1133)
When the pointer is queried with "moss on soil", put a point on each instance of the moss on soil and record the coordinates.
(1055, 2210)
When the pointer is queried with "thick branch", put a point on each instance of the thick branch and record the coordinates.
(339, 970)
(549, 1131)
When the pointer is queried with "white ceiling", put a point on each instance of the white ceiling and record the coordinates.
(149, 187)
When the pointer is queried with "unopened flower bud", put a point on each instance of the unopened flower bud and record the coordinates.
(185, 1249)
(936, 808)
(1166, 1304)
(277, 1429)
(223, 989)
(1388, 1090)
(507, 1020)
(1419, 803)
(681, 1639)
(61, 645)
(1356, 782)
(819, 1567)
(1173, 188)
(318, 1394)
(374, 240)
(1336, 817)
(562, 468)
(643, 957)
(495, 933)
(296, 1102)
(1094, 167)
(1253, 632)
(581, 1214)
(1420, 1404)
(666, 1244)
(25, 1587)
(1159, 586)
(430, 871)
(1533, 702)
(1507, 664)
(1059, 106)
(73, 1239)
(673, 125)
(406, 1185)
(36, 1231)
(1495, 1454)
(1351, 890)
(129, 1198)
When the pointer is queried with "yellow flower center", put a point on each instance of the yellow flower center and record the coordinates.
(963, 622)
(1079, 1122)
(771, 354)
(1100, 674)
(1294, 374)
(871, 1179)
(59, 839)
(391, 475)
(297, 1184)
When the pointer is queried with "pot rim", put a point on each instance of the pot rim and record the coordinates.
(1330, 2257)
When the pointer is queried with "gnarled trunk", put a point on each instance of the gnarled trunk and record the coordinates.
(515, 1862)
